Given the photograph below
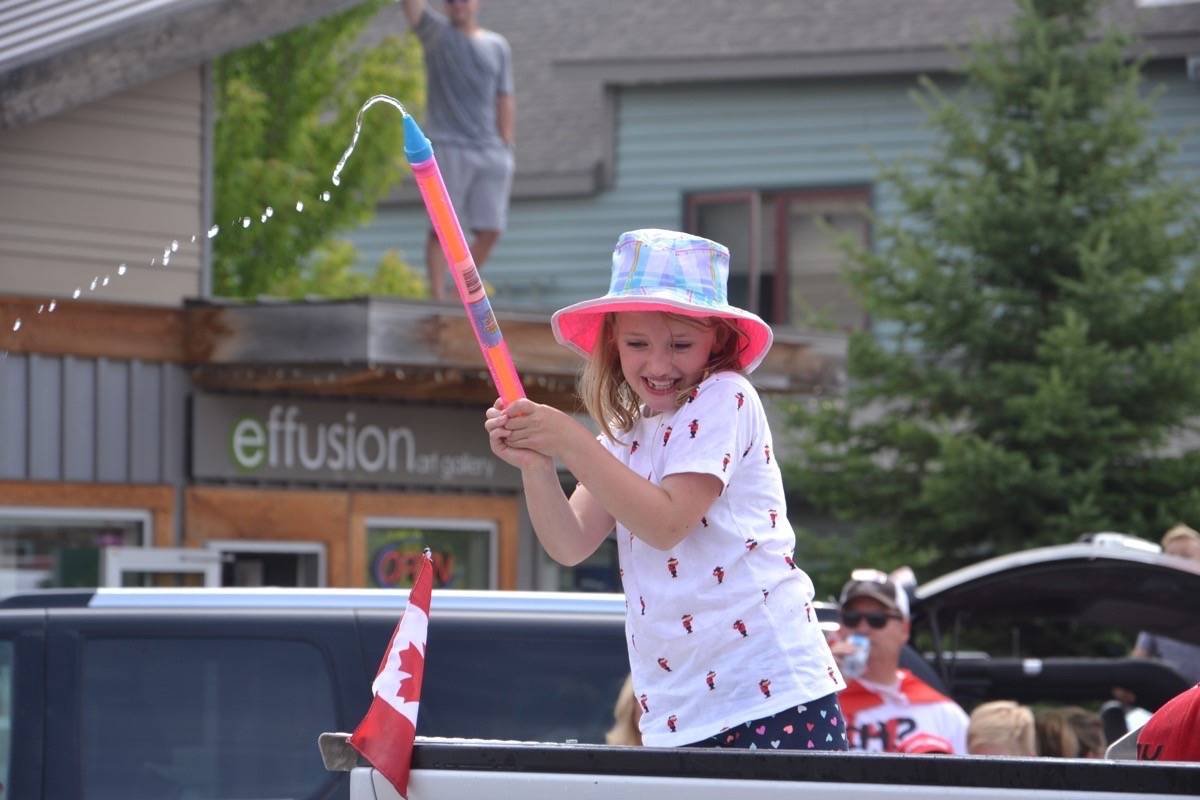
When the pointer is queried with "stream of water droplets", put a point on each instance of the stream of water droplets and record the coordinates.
(102, 281)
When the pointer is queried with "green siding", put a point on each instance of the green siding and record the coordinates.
(676, 139)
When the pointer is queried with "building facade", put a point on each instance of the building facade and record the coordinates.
(762, 126)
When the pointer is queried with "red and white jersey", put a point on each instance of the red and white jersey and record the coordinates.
(903, 717)
(721, 628)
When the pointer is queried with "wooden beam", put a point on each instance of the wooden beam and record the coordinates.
(471, 387)
(404, 349)
(90, 329)
(530, 341)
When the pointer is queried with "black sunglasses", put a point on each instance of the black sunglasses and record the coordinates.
(876, 619)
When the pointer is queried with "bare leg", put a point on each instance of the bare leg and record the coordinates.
(435, 265)
(481, 248)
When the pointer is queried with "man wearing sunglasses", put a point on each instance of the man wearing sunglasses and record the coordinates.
(888, 709)
(471, 119)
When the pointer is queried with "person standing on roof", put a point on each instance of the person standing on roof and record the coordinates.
(889, 709)
(471, 122)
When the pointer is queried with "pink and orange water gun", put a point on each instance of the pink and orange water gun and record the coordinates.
(419, 152)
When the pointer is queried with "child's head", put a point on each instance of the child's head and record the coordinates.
(653, 360)
(1182, 541)
(1001, 728)
(663, 326)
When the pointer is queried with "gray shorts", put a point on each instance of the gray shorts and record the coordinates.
(479, 180)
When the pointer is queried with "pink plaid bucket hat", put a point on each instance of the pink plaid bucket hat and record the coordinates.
(657, 270)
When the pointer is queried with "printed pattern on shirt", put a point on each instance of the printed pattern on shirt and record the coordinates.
(717, 627)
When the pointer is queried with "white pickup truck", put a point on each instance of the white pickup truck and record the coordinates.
(1103, 582)
(461, 769)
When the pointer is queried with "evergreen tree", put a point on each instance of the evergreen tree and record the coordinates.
(1035, 356)
(286, 111)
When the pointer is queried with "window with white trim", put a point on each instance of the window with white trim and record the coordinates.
(57, 548)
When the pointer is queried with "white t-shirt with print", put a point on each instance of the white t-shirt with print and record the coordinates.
(721, 628)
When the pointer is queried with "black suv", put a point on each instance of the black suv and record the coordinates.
(222, 693)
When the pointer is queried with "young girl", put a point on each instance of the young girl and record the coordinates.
(724, 645)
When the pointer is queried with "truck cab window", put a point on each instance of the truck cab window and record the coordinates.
(161, 715)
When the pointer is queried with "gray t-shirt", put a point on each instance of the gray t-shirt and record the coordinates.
(464, 76)
(1184, 657)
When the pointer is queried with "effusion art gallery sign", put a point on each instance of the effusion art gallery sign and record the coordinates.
(236, 437)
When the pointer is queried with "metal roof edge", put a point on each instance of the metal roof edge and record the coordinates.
(1047, 555)
(490, 601)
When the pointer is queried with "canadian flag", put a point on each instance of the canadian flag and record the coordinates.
(385, 735)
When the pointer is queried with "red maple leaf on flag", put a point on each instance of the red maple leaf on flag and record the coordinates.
(412, 662)
(385, 736)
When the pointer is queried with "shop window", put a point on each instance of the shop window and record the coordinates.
(58, 548)
(259, 563)
(231, 717)
(785, 264)
(464, 552)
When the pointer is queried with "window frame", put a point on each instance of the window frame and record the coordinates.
(144, 517)
(783, 198)
(753, 199)
(70, 630)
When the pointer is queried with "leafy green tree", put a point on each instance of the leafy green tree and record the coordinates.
(1035, 356)
(330, 273)
(286, 112)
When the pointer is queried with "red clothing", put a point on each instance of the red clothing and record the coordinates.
(1173, 733)
(889, 718)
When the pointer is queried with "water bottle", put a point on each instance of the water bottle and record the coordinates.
(855, 664)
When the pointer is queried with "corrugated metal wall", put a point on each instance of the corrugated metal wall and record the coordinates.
(91, 420)
(677, 139)
(110, 182)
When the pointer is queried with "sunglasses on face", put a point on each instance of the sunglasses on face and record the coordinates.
(876, 619)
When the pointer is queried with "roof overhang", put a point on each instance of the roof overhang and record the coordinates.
(368, 347)
(61, 55)
(386, 343)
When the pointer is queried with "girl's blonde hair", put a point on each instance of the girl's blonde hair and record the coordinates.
(609, 398)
